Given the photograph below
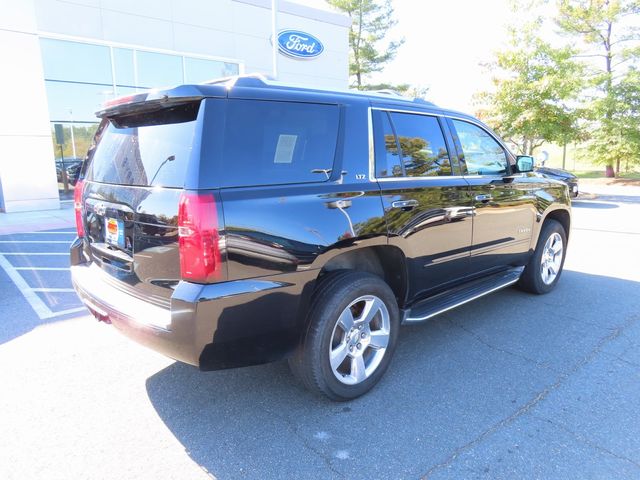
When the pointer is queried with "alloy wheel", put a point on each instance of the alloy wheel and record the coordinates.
(359, 339)
(551, 261)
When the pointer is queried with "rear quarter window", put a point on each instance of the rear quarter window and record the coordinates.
(270, 143)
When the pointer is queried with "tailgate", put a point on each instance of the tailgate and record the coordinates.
(133, 180)
(133, 236)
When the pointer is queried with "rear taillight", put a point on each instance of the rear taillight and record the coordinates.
(198, 231)
(77, 205)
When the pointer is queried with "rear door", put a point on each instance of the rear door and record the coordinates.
(504, 210)
(427, 203)
(287, 197)
(132, 184)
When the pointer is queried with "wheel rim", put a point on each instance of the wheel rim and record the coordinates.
(551, 261)
(359, 340)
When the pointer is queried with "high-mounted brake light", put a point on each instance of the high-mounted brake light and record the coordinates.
(200, 260)
(126, 99)
(77, 206)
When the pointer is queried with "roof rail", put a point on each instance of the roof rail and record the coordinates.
(388, 91)
(395, 93)
(424, 102)
(262, 80)
(246, 80)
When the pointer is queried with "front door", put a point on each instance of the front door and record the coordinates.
(504, 209)
(427, 203)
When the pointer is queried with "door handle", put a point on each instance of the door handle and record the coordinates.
(483, 198)
(404, 204)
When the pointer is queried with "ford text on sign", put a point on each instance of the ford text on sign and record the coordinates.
(299, 44)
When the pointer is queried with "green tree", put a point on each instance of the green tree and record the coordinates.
(609, 31)
(370, 23)
(618, 138)
(628, 93)
(83, 136)
(536, 91)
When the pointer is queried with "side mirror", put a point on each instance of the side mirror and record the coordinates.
(524, 163)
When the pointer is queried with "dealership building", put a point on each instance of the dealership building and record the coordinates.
(61, 60)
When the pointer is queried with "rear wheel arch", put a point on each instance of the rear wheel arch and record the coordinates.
(385, 261)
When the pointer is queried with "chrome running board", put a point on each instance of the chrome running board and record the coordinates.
(457, 296)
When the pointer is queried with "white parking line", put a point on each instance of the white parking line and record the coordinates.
(52, 290)
(36, 241)
(68, 232)
(42, 268)
(70, 310)
(30, 295)
(33, 253)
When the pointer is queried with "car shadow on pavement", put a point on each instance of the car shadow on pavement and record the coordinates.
(454, 382)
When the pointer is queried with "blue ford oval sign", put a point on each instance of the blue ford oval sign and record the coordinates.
(295, 43)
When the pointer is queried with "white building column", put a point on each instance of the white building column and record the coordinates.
(27, 170)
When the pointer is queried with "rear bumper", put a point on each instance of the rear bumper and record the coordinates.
(224, 325)
(163, 330)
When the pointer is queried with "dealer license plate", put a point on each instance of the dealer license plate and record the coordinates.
(114, 232)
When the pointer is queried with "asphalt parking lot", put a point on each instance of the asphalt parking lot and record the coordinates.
(510, 386)
(36, 265)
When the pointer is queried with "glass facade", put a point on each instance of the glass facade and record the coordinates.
(80, 77)
(124, 67)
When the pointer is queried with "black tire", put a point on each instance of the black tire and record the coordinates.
(333, 295)
(532, 277)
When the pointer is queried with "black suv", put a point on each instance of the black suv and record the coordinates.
(241, 222)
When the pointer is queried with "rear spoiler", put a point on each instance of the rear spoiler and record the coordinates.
(159, 99)
(154, 100)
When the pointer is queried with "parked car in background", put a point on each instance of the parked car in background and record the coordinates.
(72, 165)
(559, 174)
(243, 221)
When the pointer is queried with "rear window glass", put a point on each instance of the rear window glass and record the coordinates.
(146, 149)
(269, 143)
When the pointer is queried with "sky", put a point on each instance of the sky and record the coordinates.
(446, 43)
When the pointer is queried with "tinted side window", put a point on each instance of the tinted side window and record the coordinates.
(269, 143)
(482, 154)
(386, 148)
(423, 151)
